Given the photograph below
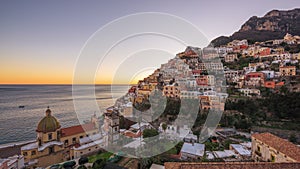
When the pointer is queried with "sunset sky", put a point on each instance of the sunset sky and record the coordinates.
(40, 40)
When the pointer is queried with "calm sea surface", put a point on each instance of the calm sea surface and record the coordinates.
(19, 124)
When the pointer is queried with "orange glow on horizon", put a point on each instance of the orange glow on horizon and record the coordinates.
(18, 78)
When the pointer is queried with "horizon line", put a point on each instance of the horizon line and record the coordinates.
(3, 84)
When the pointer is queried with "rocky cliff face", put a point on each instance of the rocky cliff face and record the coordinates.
(274, 25)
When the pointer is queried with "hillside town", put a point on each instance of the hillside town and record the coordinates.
(212, 78)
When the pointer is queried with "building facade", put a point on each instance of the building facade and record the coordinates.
(55, 144)
(270, 148)
(287, 70)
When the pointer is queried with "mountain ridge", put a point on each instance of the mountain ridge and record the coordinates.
(273, 25)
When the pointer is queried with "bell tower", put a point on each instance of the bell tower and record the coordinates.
(111, 124)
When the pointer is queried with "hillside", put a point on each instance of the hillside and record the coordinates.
(274, 25)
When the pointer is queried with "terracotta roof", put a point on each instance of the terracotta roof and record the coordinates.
(196, 71)
(288, 67)
(77, 129)
(132, 134)
(255, 73)
(280, 84)
(230, 165)
(279, 144)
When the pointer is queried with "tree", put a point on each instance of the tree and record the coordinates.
(99, 164)
(293, 138)
(69, 164)
(82, 167)
(149, 133)
(178, 146)
(164, 126)
(83, 160)
(284, 90)
(145, 163)
(56, 166)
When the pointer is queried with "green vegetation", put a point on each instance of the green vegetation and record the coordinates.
(82, 167)
(104, 156)
(56, 166)
(241, 63)
(164, 126)
(99, 164)
(277, 106)
(211, 146)
(83, 160)
(150, 133)
(293, 138)
(69, 164)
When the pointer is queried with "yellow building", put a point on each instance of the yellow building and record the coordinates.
(142, 94)
(54, 144)
(230, 57)
(171, 91)
(268, 147)
(287, 70)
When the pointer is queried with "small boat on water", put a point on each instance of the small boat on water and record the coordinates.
(21, 107)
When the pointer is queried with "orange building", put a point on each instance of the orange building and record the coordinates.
(254, 79)
(171, 91)
(287, 70)
(272, 84)
(264, 51)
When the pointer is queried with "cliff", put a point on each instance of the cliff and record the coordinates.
(274, 25)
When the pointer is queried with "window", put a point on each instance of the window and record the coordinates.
(25, 153)
(50, 136)
(74, 139)
(258, 148)
(58, 134)
(51, 150)
(272, 158)
(81, 137)
(116, 129)
(89, 149)
(66, 142)
(33, 153)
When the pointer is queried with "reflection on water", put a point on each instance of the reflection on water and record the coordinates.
(19, 124)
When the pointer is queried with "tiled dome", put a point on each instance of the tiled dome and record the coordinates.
(48, 124)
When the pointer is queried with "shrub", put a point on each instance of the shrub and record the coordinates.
(83, 160)
(69, 164)
(98, 164)
(82, 167)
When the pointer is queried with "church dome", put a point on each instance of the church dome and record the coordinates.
(48, 124)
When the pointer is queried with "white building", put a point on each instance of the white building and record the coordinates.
(13, 162)
(249, 92)
(89, 145)
(240, 150)
(269, 74)
(192, 151)
(224, 154)
(141, 126)
(189, 94)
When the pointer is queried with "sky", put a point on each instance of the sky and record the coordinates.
(41, 40)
